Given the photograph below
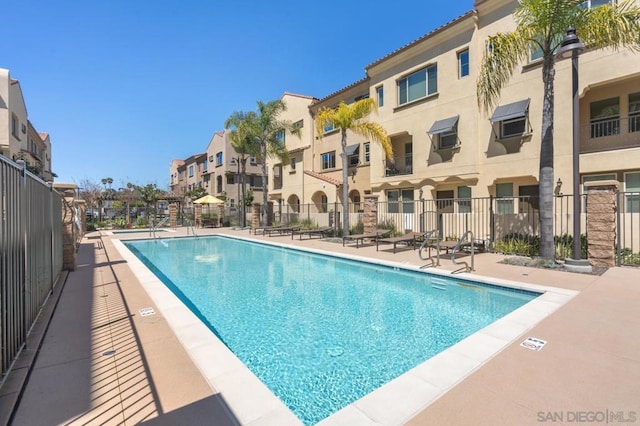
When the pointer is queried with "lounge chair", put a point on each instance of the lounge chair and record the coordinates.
(410, 239)
(280, 230)
(359, 238)
(263, 229)
(320, 232)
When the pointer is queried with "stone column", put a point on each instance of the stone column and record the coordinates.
(197, 214)
(173, 215)
(370, 215)
(255, 215)
(81, 205)
(69, 232)
(220, 214)
(601, 222)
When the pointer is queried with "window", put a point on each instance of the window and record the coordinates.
(367, 152)
(632, 192)
(380, 95)
(253, 161)
(299, 124)
(232, 204)
(418, 85)
(464, 199)
(205, 167)
(397, 199)
(219, 159)
(463, 63)
(361, 97)
(191, 170)
(255, 181)
(353, 155)
(408, 157)
(280, 136)
(514, 127)
(594, 178)
(15, 125)
(219, 184)
(634, 112)
(329, 160)
(448, 139)
(328, 127)
(293, 164)
(504, 201)
(605, 117)
(231, 179)
(512, 118)
(528, 199)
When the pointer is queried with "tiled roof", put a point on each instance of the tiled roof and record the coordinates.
(355, 83)
(422, 38)
(323, 177)
(298, 95)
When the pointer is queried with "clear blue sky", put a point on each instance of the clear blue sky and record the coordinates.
(124, 87)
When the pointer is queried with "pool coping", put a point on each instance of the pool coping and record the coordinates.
(396, 401)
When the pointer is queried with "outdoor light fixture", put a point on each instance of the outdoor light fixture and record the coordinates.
(559, 184)
(570, 48)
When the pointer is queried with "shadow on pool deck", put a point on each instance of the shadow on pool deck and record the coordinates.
(101, 362)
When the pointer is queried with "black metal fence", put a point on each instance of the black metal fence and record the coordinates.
(30, 253)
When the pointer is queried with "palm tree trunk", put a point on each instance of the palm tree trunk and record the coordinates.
(345, 185)
(265, 191)
(547, 247)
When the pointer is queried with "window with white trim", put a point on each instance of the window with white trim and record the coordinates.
(219, 159)
(380, 95)
(632, 192)
(504, 198)
(191, 170)
(418, 85)
(463, 63)
(329, 160)
(464, 199)
(634, 112)
(367, 152)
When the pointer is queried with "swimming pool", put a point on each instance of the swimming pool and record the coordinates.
(319, 331)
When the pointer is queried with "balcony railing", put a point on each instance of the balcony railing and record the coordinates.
(400, 165)
(615, 133)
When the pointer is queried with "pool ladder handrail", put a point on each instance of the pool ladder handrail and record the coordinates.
(154, 228)
(429, 235)
(467, 267)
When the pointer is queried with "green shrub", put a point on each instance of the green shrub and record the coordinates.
(628, 257)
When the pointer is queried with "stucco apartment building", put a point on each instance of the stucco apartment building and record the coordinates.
(445, 146)
(216, 170)
(19, 140)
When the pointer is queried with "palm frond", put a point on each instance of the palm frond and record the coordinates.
(505, 51)
(374, 132)
(613, 26)
(324, 117)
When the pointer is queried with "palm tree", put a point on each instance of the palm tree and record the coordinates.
(352, 117)
(541, 26)
(246, 146)
(265, 129)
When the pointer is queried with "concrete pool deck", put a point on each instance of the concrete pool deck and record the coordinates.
(591, 362)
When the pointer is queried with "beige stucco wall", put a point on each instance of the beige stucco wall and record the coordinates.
(11, 102)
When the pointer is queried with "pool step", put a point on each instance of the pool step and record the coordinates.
(438, 284)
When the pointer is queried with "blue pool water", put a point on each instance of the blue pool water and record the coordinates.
(320, 331)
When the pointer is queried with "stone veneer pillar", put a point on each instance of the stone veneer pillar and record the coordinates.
(255, 215)
(69, 232)
(197, 214)
(601, 222)
(220, 214)
(173, 215)
(370, 215)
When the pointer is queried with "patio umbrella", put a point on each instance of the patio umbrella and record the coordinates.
(209, 199)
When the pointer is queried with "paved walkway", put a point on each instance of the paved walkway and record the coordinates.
(102, 362)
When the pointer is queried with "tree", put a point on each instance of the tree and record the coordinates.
(541, 26)
(265, 129)
(90, 192)
(353, 118)
(246, 146)
(150, 194)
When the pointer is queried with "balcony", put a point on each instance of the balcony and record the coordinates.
(400, 165)
(612, 134)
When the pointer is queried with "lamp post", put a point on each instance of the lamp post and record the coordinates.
(570, 48)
